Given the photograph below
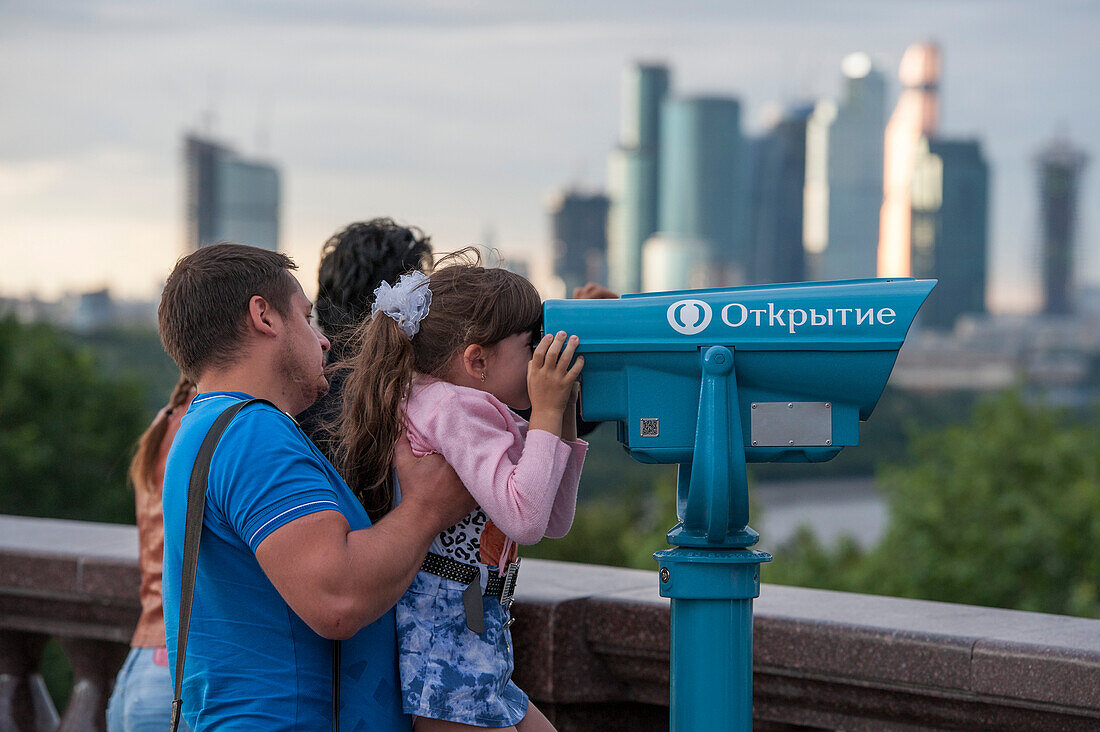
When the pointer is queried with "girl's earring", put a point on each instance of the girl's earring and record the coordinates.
(483, 376)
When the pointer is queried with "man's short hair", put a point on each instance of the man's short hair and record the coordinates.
(357, 259)
(204, 307)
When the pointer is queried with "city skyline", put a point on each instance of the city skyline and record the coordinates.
(461, 119)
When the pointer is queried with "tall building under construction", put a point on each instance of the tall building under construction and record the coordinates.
(1060, 166)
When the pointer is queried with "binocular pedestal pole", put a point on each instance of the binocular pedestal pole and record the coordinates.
(712, 576)
(711, 639)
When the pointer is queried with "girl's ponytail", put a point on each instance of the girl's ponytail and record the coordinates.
(372, 414)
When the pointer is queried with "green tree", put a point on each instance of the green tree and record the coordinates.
(135, 353)
(66, 428)
(1002, 511)
(623, 531)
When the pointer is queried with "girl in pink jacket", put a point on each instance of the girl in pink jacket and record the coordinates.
(446, 358)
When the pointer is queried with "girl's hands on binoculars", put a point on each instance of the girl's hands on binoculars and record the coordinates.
(550, 378)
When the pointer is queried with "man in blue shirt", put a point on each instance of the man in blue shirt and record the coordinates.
(289, 561)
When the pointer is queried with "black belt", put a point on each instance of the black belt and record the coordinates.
(502, 588)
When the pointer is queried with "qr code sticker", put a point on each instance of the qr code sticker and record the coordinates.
(651, 426)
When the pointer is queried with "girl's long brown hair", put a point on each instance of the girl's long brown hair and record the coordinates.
(143, 468)
(470, 304)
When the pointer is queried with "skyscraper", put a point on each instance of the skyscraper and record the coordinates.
(632, 188)
(200, 178)
(843, 195)
(1060, 166)
(704, 181)
(915, 116)
(578, 224)
(674, 263)
(229, 198)
(634, 174)
(950, 215)
(778, 162)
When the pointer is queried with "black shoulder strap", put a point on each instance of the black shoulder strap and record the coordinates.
(192, 535)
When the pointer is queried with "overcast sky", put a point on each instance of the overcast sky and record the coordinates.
(462, 116)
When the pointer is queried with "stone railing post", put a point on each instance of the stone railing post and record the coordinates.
(95, 664)
(25, 705)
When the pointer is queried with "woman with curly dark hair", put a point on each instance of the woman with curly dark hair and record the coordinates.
(354, 262)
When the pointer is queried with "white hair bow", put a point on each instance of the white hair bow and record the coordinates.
(406, 302)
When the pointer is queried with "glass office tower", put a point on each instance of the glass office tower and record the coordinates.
(671, 262)
(950, 224)
(778, 162)
(634, 174)
(844, 144)
(704, 178)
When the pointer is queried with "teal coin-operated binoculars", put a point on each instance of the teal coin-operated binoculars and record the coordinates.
(714, 379)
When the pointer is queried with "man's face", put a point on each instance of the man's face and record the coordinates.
(302, 353)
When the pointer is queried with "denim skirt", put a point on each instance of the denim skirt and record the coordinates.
(448, 671)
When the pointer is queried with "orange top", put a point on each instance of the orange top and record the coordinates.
(150, 522)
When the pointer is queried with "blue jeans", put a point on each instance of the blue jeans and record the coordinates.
(142, 699)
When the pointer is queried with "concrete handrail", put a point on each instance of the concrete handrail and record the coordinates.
(592, 645)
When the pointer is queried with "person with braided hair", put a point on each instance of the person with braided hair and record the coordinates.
(142, 697)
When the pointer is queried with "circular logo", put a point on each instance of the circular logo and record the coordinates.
(689, 316)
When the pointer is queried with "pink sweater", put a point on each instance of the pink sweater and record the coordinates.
(525, 481)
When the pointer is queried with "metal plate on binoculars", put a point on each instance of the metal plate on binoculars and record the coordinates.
(791, 424)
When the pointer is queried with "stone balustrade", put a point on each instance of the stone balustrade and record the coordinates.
(592, 647)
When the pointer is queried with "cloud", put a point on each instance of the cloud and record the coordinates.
(29, 178)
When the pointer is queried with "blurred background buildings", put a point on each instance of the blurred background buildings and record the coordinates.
(578, 223)
(834, 190)
(844, 158)
(829, 190)
(948, 211)
(1059, 166)
(776, 197)
(634, 174)
(228, 197)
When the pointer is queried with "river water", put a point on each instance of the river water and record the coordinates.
(831, 507)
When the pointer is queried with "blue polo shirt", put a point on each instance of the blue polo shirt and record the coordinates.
(252, 664)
